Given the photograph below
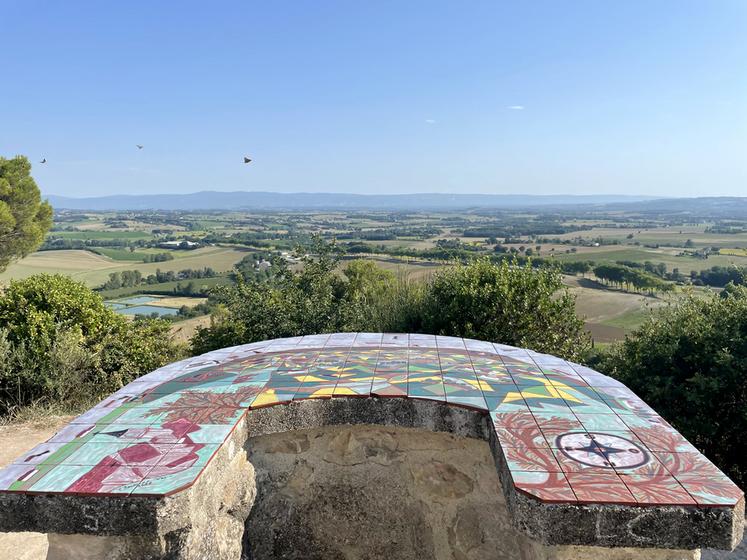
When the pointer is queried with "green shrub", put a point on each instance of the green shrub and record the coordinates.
(505, 302)
(689, 362)
(60, 343)
(497, 302)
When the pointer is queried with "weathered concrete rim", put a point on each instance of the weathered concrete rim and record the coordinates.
(674, 527)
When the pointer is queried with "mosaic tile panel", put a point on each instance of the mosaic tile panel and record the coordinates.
(568, 434)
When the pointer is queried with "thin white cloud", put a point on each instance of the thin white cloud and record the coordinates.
(430, 121)
(516, 107)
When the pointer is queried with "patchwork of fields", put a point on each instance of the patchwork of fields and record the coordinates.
(94, 269)
(90, 246)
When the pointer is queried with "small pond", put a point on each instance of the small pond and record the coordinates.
(148, 310)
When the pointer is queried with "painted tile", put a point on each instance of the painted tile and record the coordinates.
(514, 419)
(581, 460)
(503, 389)
(711, 490)
(491, 370)
(500, 405)
(650, 466)
(14, 477)
(106, 479)
(139, 458)
(177, 459)
(155, 435)
(394, 339)
(75, 432)
(659, 490)
(48, 452)
(628, 405)
(368, 339)
(527, 459)
(270, 397)
(545, 486)
(478, 346)
(521, 437)
(654, 422)
(687, 463)
(426, 385)
(544, 396)
(578, 452)
(557, 420)
(473, 402)
(598, 488)
(317, 391)
(168, 483)
(663, 439)
(99, 413)
(390, 385)
(601, 422)
(422, 341)
(210, 434)
(341, 339)
(450, 342)
(462, 386)
(555, 439)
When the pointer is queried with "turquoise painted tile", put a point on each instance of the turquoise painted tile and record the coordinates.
(477, 403)
(527, 459)
(178, 459)
(108, 454)
(211, 433)
(167, 484)
(602, 422)
(499, 404)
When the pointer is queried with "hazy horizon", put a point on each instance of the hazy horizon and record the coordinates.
(418, 97)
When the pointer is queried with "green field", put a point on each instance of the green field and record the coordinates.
(120, 254)
(163, 288)
(94, 269)
(668, 256)
(228, 236)
(101, 235)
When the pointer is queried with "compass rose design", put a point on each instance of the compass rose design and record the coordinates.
(602, 450)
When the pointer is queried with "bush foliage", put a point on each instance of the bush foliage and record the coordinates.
(689, 362)
(60, 343)
(500, 302)
(507, 303)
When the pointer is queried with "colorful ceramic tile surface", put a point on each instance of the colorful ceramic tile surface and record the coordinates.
(568, 434)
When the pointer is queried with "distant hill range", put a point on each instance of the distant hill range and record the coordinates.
(212, 200)
(717, 207)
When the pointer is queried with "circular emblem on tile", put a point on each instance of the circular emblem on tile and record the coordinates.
(601, 450)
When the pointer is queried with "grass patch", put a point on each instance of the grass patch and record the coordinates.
(94, 235)
(44, 415)
(119, 254)
(164, 288)
(733, 252)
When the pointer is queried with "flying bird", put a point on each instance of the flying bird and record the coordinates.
(139, 146)
(247, 160)
(44, 160)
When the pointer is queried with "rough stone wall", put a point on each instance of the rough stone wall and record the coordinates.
(369, 492)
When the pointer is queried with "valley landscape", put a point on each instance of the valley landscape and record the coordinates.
(172, 259)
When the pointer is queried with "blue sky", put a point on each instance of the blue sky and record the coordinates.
(576, 97)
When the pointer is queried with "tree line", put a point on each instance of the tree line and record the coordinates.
(132, 278)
